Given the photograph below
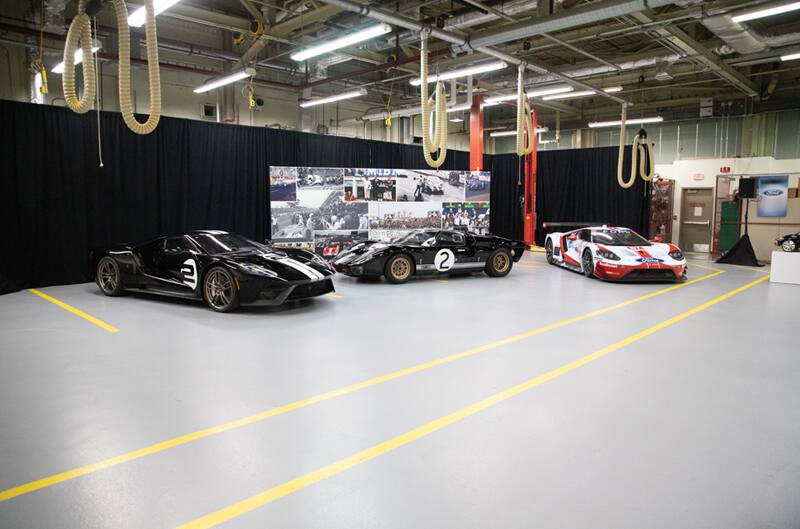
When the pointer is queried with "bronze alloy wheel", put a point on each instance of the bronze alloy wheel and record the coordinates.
(220, 292)
(108, 278)
(399, 269)
(501, 262)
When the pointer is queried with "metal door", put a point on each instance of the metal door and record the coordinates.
(696, 214)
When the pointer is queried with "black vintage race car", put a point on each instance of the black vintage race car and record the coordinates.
(428, 252)
(789, 243)
(223, 269)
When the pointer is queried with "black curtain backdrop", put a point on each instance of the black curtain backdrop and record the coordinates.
(580, 185)
(57, 204)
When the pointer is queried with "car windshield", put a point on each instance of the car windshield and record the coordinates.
(619, 238)
(415, 237)
(225, 242)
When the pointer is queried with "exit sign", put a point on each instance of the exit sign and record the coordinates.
(724, 169)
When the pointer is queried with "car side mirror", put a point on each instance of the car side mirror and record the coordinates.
(573, 237)
(657, 239)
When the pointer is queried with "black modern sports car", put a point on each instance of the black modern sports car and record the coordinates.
(223, 269)
(428, 252)
(789, 243)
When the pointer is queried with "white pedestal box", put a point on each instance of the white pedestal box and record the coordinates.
(785, 267)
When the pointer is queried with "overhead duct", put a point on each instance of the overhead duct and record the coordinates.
(734, 34)
(567, 19)
(592, 71)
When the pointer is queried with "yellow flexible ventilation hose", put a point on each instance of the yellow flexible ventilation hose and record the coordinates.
(641, 151)
(524, 118)
(80, 30)
(436, 140)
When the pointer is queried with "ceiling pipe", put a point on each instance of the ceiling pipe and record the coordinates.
(462, 41)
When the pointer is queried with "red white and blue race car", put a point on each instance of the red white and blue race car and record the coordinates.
(618, 254)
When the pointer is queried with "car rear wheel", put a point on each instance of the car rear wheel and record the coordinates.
(108, 277)
(548, 251)
(219, 290)
(789, 245)
(587, 264)
(399, 269)
(499, 263)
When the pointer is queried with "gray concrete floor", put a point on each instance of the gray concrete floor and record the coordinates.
(694, 426)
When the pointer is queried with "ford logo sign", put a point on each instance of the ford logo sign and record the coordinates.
(772, 192)
(649, 260)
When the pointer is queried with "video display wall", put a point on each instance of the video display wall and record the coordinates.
(333, 208)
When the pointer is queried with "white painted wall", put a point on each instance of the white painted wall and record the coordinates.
(683, 171)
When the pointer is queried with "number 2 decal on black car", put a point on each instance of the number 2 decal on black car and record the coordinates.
(444, 260)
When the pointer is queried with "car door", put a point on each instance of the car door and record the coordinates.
(572, 247)
(451, 252)
(177, 264)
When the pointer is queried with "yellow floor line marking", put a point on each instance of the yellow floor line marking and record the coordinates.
(334, 295)
(280, 410)
(704, 267)
(259, 500)
(750, 268)
(77, 312)
(441, 280)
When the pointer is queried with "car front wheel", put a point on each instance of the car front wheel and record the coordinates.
(789, 245)
(587, 264)
(219, 290)
(499, 263)
(399, 269)
(108, 277)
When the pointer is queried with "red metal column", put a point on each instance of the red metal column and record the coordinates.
(530, 190)
(476, 134)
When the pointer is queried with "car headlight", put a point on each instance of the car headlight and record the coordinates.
(252, 268)
(605, 254)
(676, 254)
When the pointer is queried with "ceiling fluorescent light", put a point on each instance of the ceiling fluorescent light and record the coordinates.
(137, 18)
(348, 40)
(463, 72)
(533, 93)
(458, 119)
(331, 99)
(228, 79)
(502, 133)
(790, 57)
(580, 93)
(768, 12)
(637, 121)
(550, 91)
(59, 68)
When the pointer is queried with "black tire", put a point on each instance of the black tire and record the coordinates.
(548, 251)
(499, 263)
(587, 263)
(220, 291)
(789, 245)
(108, 278)
(399, 269)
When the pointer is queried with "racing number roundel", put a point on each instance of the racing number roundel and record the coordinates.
(444, 260)
(189, 272)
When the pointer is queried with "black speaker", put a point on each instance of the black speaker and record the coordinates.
(747, 187)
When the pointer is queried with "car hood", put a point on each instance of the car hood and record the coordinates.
(658, 251)
(277, 265)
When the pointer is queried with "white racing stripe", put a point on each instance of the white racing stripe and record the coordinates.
(300, 267)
